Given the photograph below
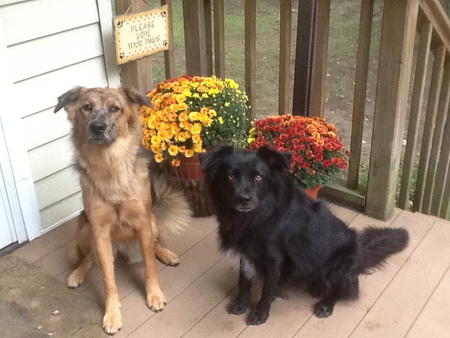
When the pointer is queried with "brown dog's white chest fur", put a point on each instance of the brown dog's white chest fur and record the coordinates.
(116, 175)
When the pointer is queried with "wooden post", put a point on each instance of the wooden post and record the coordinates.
(169, 55)
(304, 57)
(320, 58)
(219, 38)
(137, 74)
(285, 56)
(195, 37)
(250, 54)
(359, 105)
(396, 53)
(208, 36)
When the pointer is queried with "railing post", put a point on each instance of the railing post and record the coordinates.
(195, 37)
(394, 71)
(219, 38)
(250, 54)
(169, 55)
(304, 56)
(359, 101)
(284, 74)
(320, 58)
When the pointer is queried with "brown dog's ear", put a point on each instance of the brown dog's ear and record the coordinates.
(134, 97)
(67, 98)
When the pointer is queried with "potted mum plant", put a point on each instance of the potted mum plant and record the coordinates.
(318, 153)
(191, 114)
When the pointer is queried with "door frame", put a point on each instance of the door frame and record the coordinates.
(20, 191)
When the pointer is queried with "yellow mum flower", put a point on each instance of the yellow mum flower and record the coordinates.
(181, 137)
(175, 162)
(193, 116)
(156, 139)
(183, 117)
(196, 138)
(220, 119)
(159, 157)
(196, 129)
(189, 153)
(173, 150)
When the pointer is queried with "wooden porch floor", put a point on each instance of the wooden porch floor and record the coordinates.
(410, 297)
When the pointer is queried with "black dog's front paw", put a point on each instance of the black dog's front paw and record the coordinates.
(238, 307)
(257, 317)
(323, 310)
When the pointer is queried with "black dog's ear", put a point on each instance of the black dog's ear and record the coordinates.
(277, 159)
(67, 98)
(134, 97)
(209, 160)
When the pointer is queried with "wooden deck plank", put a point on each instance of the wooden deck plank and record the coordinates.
(348, 314)
(193, 303)
(346, 215)
(395, 311)
(46, 244)
(194, 263)
(59, 261)
(199, 229)
(434, 318)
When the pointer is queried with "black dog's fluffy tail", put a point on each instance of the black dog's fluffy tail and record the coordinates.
(376, 244)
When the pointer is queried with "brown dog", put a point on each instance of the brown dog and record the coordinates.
(116, 191)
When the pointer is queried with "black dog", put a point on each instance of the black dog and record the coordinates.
(283, 236)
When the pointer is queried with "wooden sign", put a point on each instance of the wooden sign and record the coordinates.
(141, 34)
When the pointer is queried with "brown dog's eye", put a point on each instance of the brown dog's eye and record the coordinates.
(114, 109)
(258, 178)
(231, 177)
(87, 107)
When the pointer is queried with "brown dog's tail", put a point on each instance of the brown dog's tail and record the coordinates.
(170, 207)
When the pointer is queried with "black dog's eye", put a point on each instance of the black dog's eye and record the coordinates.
(114, 109)
(231, 177)
(87, 107)
(258, 178)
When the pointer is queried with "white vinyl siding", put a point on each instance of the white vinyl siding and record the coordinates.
(53, 46)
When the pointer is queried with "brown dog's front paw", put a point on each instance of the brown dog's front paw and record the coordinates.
(156, 301)
(112, 322)
(167, 257)
(75, 279)
(257, 317)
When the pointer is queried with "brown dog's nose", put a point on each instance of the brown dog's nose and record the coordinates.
(97, 128)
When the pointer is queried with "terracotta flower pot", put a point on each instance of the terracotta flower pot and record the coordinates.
(189, 169)
(313, 192)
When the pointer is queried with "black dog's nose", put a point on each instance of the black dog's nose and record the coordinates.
(97, 128)
(245, 200)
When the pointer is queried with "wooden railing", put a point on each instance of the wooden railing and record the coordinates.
(432, 190)
(414, 33)
(405, 23)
